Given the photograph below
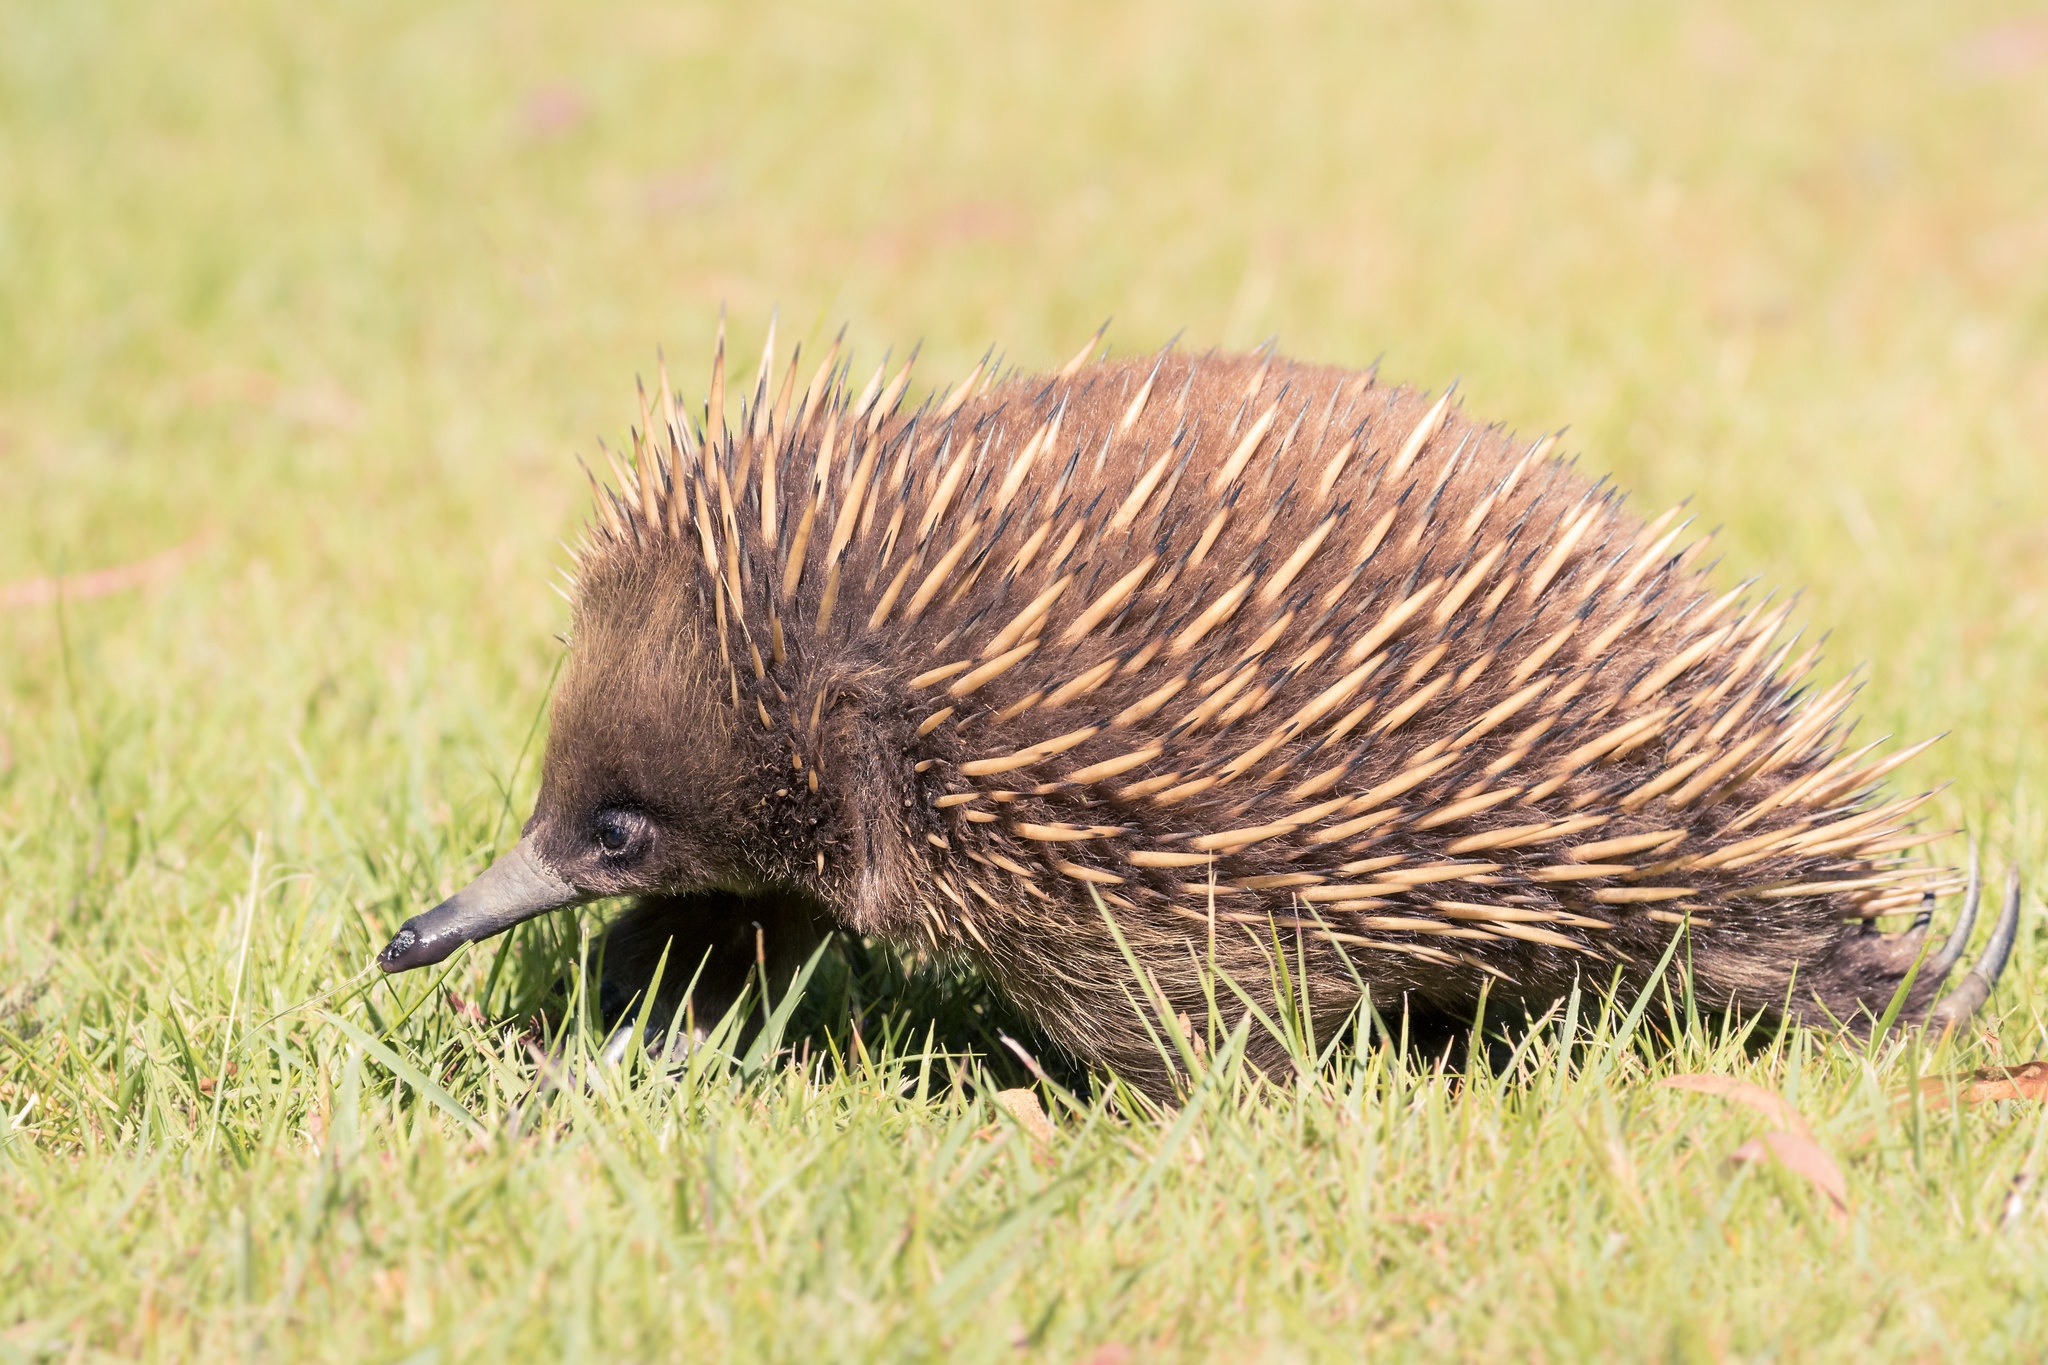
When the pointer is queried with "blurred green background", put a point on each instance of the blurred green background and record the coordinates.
(306, 310)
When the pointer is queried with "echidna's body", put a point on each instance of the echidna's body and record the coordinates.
(1237, 646)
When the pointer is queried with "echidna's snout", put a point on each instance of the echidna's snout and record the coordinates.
(518, 886)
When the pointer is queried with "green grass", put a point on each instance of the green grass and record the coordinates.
(330, 296)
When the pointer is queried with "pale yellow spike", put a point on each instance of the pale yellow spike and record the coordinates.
(1141, 491)
(1026, 620)
(1028, 551)
(1040, 441)
(1147, 857)
(963, 391)
(1225, 693)
(1650, 558)
(1522, 836)
(856, 499)
(990, 671)
(1112, 767)
(821, 469)
(1850, 833)
(714, 424)
(1391, 624)
(1823, 888)
(1376, 533)
(778, 415)
(1685, 659)
(1082, 684)
(1209, 536)
(931, 723)
(942, 496)
(759, 427)
(1500, 714)
(1467, 585)
(1063, 833)
(1504, 490)
(1607, 850)
(1407, 710)
(1337, 834)
(1330, 698)
(1596, 648)
(1273, 588)
(879, 617)
(1334, 470)
(868, 394)
(1059, 744)
(1822, 783)
(1064, 548)
(939, 674)
(1150, 703)
(1218, 612)
(1822, 712)
(1136, 409)
(1714, 773)
(1246, 448)
(1663, 782)
(793, 566)
(821, 384)
(829, 598)
(770, 458)
(645, 469)
(1612, 740)
(1820, 796)
(890, 396)
(1554, 561)
(1113, 597)
(1420, 436)
(1258, 382)
(936, 580)
(671, 424)
(1073, 367)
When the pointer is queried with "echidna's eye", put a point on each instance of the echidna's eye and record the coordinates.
(616, 829)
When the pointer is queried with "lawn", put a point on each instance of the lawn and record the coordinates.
(306, 313)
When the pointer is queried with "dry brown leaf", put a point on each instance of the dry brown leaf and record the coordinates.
(2028, 1082)
(1769, 1103)
(1803, 1157)
(1022, 1105)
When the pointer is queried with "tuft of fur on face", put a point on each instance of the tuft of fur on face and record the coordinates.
(1246, 656)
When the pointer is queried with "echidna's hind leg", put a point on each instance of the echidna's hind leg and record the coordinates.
(1975, 988)
(1856, 980)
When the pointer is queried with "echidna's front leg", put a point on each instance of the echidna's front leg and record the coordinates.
(717, 939)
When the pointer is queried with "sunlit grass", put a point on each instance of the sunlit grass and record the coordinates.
(326, 298)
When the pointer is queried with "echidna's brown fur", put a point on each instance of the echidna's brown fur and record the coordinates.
(1257, 652)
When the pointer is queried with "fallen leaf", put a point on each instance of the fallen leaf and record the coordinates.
(1769, 1103)
(1804, 1158)
(2028, 1082)
(1022, 1105)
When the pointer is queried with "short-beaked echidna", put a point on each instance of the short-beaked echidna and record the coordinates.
(1244, 656)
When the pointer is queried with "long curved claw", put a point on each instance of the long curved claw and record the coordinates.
(1975, 988)
(1942, 963)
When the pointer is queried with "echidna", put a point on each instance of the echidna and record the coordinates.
(1228, 655)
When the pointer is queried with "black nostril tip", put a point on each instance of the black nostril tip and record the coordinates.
(394, 951)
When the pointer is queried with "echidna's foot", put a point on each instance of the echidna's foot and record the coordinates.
(1857, 982)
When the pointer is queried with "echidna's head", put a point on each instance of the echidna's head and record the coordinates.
(644, 788)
